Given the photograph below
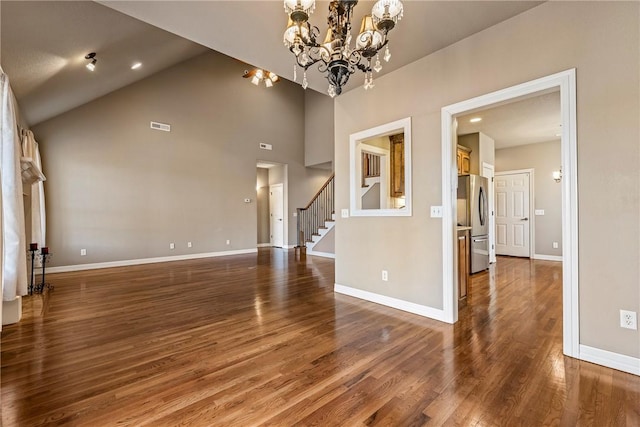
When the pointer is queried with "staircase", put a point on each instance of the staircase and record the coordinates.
(317, 219)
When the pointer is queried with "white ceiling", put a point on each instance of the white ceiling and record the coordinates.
(525, 121)
(252, 30)
(43, 43)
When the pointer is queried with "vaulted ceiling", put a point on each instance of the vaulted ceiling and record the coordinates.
(43, 44)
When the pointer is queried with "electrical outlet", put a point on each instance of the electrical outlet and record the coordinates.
(385, 275)
(555, 245)
(345, 213)
(83, 252)
(228, 242)
(628, 319)
(172, 245)
(189, 244)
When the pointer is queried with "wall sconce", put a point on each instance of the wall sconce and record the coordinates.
(557, 175)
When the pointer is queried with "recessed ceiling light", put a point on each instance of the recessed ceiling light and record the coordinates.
(476, 120)
(136, 66)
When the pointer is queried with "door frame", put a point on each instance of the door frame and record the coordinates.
(532, 228)
(565, 81)
(284, 214)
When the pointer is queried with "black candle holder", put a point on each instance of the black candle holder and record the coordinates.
(33, 248)
(44, 256)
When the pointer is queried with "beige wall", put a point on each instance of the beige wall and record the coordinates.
(318, 129)
(328, 243)
(544, 158)
(124, 191)
(262, 205)
(599, 39)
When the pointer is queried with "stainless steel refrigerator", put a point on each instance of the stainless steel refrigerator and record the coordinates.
(473, 211)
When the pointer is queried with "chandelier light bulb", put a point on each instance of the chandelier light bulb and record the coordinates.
(255, 80)
(305, 83)
(268, 82)
(301, 7)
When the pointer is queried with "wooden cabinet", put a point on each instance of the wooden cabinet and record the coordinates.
(463, 159)
(464, 267)
(397, 165)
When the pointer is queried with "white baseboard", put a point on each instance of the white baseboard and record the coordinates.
(263, 245)
(288, 246)
(321, 254)
(128, 262)
(547, 257)
(421, 310)
(610, 360)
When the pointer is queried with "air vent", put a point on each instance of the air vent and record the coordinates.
(161, 126)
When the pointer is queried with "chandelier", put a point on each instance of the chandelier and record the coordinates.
(336, 56)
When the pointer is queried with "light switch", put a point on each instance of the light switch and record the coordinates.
(436, 211)
(539, 212)
(345, 213)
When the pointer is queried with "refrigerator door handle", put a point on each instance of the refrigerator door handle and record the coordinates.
(484, 239)
(481, 206)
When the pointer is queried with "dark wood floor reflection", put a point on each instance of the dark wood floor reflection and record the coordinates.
(262, 339)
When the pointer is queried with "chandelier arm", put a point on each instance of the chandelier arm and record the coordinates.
(323, 67)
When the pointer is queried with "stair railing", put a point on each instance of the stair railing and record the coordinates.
(370, 166)
(319, 210)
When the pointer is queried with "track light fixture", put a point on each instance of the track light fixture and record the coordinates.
(91, 65)
(257, 76)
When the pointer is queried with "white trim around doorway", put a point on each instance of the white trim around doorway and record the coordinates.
(565, 81)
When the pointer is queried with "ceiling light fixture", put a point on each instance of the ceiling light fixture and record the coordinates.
(476, 120)
(335, 55)
(136, 66)
(257, 75)
(91, 65)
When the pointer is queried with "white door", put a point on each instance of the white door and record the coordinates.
(488, 172)
(276, 215)
(512, 214)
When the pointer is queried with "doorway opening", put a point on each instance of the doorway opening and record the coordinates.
(564, 82)
(271, 204)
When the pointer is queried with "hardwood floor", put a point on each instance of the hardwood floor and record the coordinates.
(263, 340)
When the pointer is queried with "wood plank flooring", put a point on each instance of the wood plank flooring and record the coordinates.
(262, 339)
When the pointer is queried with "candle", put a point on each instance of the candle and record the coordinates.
(45, 250)
(33, 246)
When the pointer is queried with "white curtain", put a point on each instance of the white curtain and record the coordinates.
(14, 259)
(31, 149)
